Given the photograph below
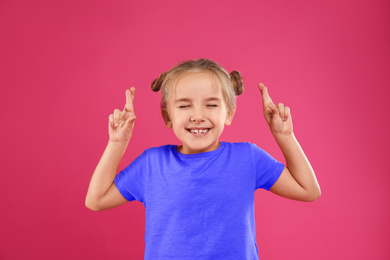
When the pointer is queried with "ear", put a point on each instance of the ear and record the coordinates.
(230, 115)
(165, 116)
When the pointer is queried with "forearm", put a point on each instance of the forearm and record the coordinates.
(298, 164)
(105, 172)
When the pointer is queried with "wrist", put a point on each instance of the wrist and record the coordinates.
(117, 145)
(281, 138)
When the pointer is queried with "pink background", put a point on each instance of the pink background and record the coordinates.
(65, 66)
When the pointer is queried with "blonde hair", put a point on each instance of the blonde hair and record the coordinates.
(231, 83)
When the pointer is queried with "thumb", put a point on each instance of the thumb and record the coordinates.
(272, 110)
(269, 114)
(274, 113)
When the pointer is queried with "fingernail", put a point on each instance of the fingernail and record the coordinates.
(116, 124)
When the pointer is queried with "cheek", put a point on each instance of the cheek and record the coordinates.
(217, 117)
(178, 117)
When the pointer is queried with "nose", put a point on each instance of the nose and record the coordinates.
(197, 115)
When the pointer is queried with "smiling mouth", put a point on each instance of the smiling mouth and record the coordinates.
(198, 131)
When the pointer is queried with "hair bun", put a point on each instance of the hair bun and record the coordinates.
(157, 83)
(236, 80)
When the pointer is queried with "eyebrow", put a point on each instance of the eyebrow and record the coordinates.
(188, 99)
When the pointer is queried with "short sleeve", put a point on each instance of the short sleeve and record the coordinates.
(131, 180)
(267, 168)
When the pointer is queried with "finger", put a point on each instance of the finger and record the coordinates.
(287, 113)
(268, 113)
(271, 112)
(132, 94)
(266, 98)
(275, 110)
(263, 90)
(128, 96)
(129, 100)
(281, 110)
(117, 114)
(111, 120)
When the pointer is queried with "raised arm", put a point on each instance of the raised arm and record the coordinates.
(102, 193)
(297, 180)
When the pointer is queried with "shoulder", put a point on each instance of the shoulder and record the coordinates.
(246, 148)
(159, 148)
(158, 151)
(241, 146)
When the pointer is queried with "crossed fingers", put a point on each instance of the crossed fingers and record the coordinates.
(128, 111)
(269, 106)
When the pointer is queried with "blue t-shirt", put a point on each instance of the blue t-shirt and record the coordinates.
(199, 206)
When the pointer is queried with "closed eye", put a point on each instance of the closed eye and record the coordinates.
(212, 105)
(184, 106)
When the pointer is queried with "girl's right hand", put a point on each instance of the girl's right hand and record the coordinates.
(121, 123)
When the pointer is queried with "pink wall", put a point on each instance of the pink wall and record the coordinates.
(65, 66)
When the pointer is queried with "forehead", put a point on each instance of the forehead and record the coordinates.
(197, 85)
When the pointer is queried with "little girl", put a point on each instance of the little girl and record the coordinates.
(199, 196)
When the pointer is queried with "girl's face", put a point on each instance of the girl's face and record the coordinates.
(197, 113)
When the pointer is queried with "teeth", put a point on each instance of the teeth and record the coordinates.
(196, 131)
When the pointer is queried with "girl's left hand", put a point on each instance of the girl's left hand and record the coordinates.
(278, 117)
